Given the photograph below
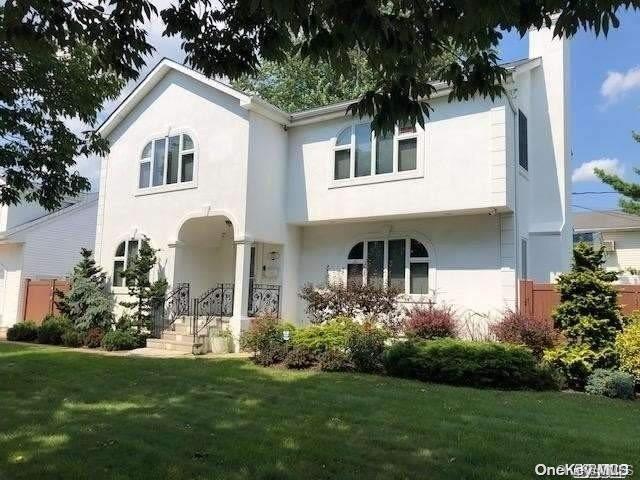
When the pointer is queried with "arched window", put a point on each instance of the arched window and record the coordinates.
(401, 263)
(167, 160)
(359, 152)
(126, 252)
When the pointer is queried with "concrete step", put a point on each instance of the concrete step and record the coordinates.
(178, 337)
(160, 343)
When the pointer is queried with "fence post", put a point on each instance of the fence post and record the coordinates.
(526, 297)
(27, 281)
(53, 294)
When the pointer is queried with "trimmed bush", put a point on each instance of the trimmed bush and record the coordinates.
(520, 329)
(72, 338)
(93, 337)
(469, 363)
(612, 384)
(52, 329)
(299, 358)
(265, 338)
(577, 362)
(628, 347)
(334, 361)
(430, 322)
(332, 335)
(23, 332)
(119, 340)
(365, 347)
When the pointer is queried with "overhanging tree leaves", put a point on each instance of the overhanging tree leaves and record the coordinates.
(630, 190)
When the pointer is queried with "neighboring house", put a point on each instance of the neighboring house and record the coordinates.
(234, 191)
(37, 244)
(619, 232)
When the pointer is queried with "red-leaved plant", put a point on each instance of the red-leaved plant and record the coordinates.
(431, 321)
(536, 333)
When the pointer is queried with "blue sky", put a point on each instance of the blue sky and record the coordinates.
(602, 119)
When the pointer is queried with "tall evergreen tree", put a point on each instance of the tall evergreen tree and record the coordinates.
(631, 191)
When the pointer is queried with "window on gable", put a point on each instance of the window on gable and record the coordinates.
(523, 147)
(166, 161)
(359, 152)
(126, 253)
(401, 263)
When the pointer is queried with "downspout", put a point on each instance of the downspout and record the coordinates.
(516, 228)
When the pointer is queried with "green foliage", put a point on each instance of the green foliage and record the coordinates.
(299, 358)
(265, 338)
(612, 384)
(93, 337)
(22, 332)
(146, 294)
(52, 329)
(365, 346)
(335, 361)
(469, 363)
(119, 340)
(72, 338)
(628, 346)
(332, 335)
(630, 203)
(88, 303)
(588, 316)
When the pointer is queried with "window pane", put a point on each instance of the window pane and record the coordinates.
(118, 278)
(146, 153)
(357, 252)
(363, 150)
(418, 249)
(354, 274)
(407, 154)
(523, 258)
(523, 149)
(375, 263)
(172, 159)
(396, 263)
(187, 143)
(419, 278)
(158, 162)
(145, 170)
(344, 137)
(120, 250)
(384, 153)
(187, 167)
(342, 166)
(133, 252)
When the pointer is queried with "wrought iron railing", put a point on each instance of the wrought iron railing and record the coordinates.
(174, 305)
(215, 303)
(264, 299)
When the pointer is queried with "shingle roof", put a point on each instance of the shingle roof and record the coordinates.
(605, 220)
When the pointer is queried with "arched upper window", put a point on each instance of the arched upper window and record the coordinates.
(167, 160)
(359, 152)
(126, 252)
(401, 263)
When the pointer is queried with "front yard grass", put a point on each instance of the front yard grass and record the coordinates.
(72, 415)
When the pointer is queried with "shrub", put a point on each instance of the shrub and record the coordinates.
(332, 335)
(336, 300)
(119, 340)
(612, 384)
(299, 358)
(577, 362)
(431, 321)
(469, 363)
(52, 329)
(334, 361)
(365, 347)
(265, 338)
(71, 338)
(628, 347)
(23, 332)
(520, 329)
(93, 337)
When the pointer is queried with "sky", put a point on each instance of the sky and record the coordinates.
(605, 104)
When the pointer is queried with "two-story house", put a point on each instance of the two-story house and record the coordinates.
(246, 203)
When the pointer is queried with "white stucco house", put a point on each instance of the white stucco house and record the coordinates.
(236, 193)
(37, 244)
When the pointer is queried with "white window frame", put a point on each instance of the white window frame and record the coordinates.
(164, 186)
(124, 259)
(373, 177)
(408, 260)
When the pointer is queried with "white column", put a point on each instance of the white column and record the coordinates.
(240, 319)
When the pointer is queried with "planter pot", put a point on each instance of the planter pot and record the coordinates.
(219, 344)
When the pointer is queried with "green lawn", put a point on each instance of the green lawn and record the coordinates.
(73, 415)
